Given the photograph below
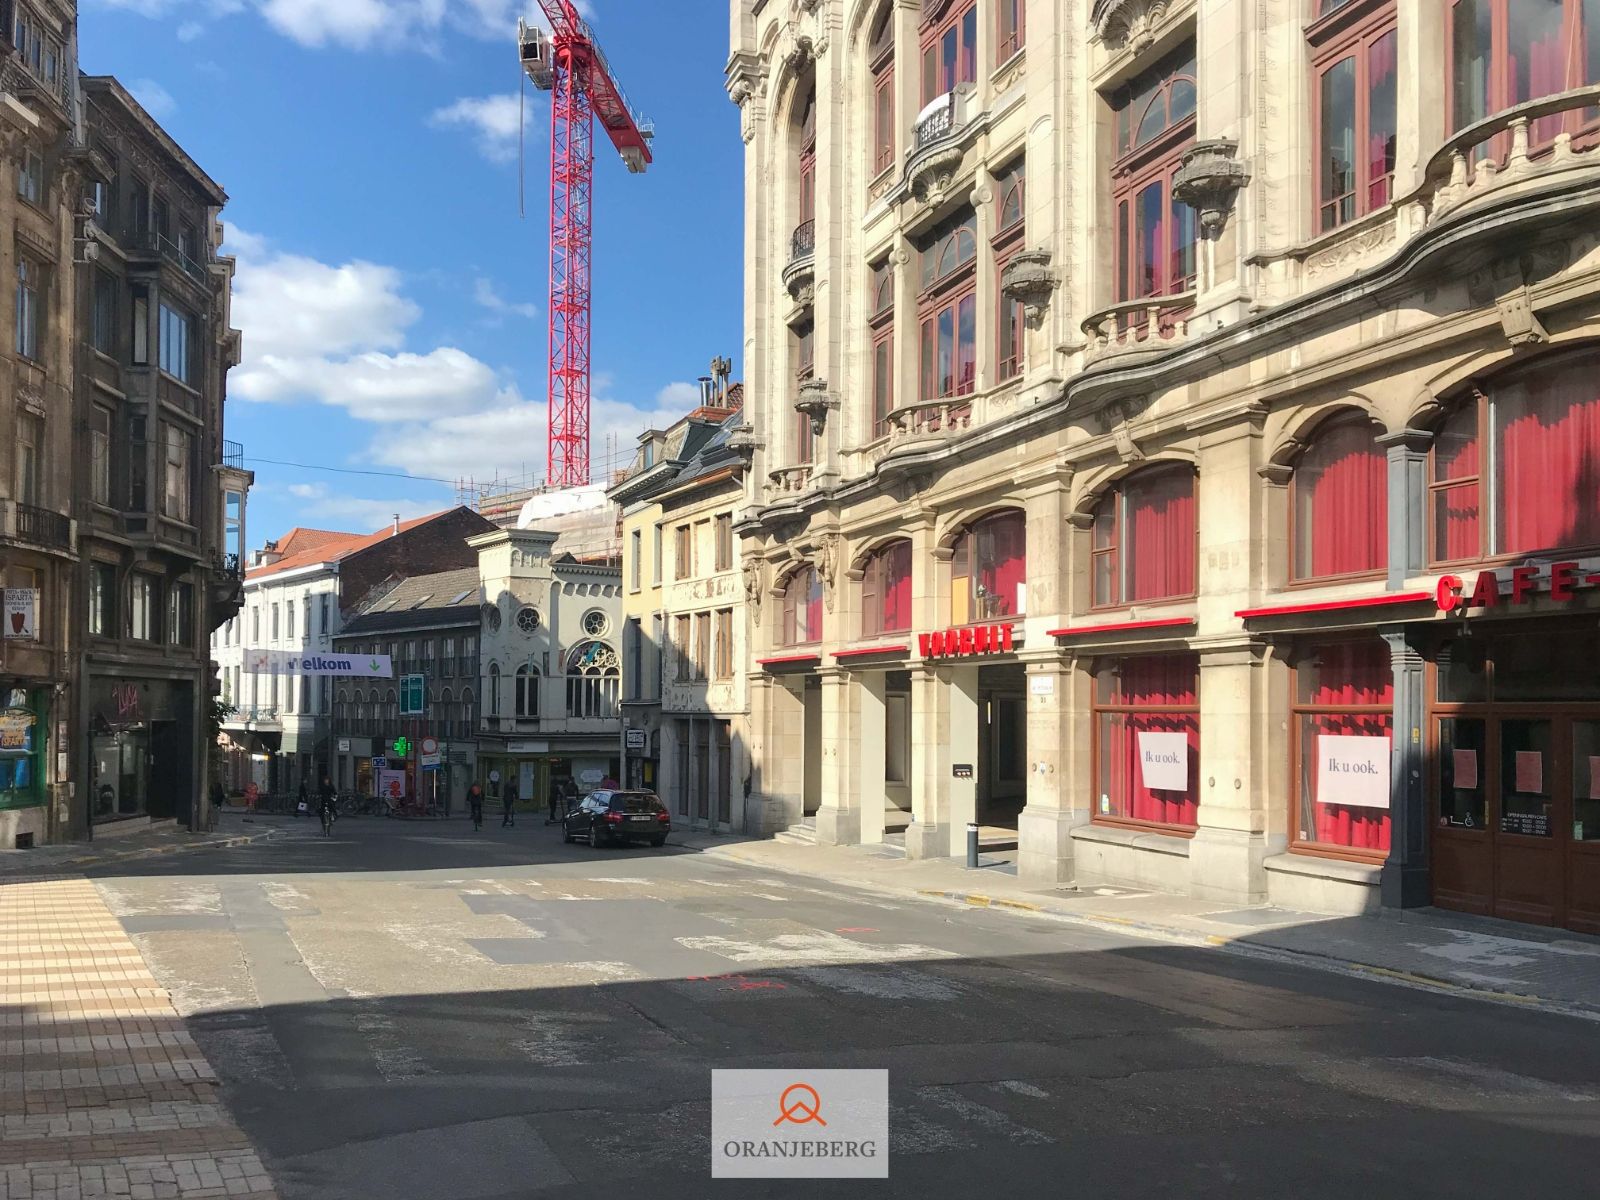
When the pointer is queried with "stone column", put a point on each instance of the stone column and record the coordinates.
(1404, 880)
(1408, 503)
(1044, 830)
(839, 817)
(1227, 852)
(944, 731)
(777, 718)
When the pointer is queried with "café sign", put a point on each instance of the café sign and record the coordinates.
(1489, 590)
(966, 641)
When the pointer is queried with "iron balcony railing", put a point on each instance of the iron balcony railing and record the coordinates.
(155, 243)
(803, 241)
(233, 454)
(934, 124)
(42, 527)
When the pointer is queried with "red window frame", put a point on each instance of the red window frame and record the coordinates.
(880, 323)
(880, 55)
(1364, 34)
(1526, 439)
(1145, 694)
(802, 608)
(886, 590)
(1011, 21)
(1339, 504)
(949, 45)
(1573, 53)
(947, 311)
(989, 561)
(1011, 229)
(1170, 573)
(808, 157)
(1359, 702)
(1149, 163)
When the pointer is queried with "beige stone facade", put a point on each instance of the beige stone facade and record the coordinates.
(1278, 297)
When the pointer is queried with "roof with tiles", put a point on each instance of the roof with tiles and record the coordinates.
(335, 548)
(447, 597)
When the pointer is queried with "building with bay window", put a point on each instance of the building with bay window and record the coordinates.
(1190, 465)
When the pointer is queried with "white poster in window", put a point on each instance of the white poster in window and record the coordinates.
(21, 613)
(1353, 770)
(1164, 761)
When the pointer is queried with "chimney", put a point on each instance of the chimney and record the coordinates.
(707, 397)
(396, 526)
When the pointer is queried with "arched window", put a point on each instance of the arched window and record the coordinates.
(1155, 232)
(886, 590)
(948, 308)
(802, 608)
(494, 689)
(1145, 538)
(594, 675)
(989, 569)
(806, 128)
(880, 316)
(527, 699)
(1505, 52)
(469, 716)
(1527, 450)
(1341, 502)
(949, 46)
(880, 56)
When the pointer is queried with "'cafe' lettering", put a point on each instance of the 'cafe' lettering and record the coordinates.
(1451, 593)
(969, 640)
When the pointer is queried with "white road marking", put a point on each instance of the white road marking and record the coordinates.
(809, 949)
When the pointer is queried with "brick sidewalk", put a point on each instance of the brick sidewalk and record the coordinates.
(102, 1090)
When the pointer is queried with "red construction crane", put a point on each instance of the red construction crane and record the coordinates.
(569, 64)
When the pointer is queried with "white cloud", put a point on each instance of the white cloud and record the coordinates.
(155, 99)
(679, 397)
(378, 387)
(319, 504)
(485, 293)
(190, 31)
(496, 123)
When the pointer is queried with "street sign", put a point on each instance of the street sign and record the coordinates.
(429, 753)
(21, 613)
(634, 739)
(344, 745)
(413, 695)
(402, 746)
(379, 763)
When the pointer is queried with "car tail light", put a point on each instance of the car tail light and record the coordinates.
(614, 817)
(663, 815)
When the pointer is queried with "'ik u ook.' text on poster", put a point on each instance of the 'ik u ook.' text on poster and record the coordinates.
(1164, 761)
(1353, 770)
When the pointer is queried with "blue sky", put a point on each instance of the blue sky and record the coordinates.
(391, 298)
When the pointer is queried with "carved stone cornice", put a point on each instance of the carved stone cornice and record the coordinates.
(1029, 280)
(744, 442)
(1208, 180)
(1127, 23)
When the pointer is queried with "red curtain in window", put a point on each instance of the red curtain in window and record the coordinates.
(896, 584)
(1382, 63)
(1167, 681)
(813, 607)
(1349, 674)
(1342, 492)
(1456, 509)
(1158, 542)
(1002, 563)
(1549, 460)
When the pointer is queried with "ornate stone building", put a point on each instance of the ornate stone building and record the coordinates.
(1150, 395)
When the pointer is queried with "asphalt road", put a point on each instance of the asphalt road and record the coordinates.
(415, 1011)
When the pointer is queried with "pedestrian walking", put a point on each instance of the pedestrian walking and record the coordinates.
(508, 801)
(475, 804)
(556, 808)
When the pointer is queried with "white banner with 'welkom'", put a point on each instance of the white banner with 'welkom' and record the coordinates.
(293, 662)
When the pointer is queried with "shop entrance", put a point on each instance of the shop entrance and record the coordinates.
(1002, 775)
(1516, 749)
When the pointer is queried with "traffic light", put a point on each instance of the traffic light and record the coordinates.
(402, 746)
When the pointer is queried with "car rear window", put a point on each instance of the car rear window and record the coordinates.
(635, 802)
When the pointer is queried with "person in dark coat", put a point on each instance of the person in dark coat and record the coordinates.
(508, 801)
(475, 804)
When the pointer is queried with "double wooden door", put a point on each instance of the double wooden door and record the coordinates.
(1517, 814)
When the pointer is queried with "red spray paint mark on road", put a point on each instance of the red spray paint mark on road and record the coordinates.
(738, 983)
(856, 929)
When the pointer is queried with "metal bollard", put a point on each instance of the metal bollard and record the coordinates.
(972, 845)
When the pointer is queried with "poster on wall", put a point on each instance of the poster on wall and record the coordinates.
(21, 613)
(1464, 769)
(392, 785)
(1530, 772)
(1353, 770)
(1164, 761)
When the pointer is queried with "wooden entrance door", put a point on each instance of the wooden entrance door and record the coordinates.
(1503, 836)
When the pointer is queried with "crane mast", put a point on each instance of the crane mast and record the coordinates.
(570, 65)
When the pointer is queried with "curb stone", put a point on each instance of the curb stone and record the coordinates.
(176, 847)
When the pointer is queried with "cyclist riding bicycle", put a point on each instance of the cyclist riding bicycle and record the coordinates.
(328, 804)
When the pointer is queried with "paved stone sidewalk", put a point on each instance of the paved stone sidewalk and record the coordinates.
(166, 838)
(1422, 947)
(103, 1092)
